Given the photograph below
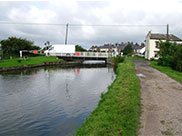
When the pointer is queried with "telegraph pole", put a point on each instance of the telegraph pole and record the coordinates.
(167, 32)
(66, 37)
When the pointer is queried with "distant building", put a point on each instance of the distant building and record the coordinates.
(106, 48)
(141, 51)
(94, 49)
(117, 48)
(120, 48)
(135, 47)
(151, 39)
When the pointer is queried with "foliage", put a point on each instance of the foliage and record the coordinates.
(80, 48)
(128, 50)
(47, 45)
(176, 75)
(170, 54)
(116, 60)
(177, 59)
(29, 61)
(135, 58)
(13, 45)
(1, 52)
(119, 108)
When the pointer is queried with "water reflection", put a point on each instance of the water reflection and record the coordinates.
(50, 101)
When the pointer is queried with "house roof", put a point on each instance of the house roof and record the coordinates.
(164, 37)
(139, 47)
(106, 47)
(112, 47)
(121, 47)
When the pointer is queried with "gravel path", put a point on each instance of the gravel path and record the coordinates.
(161, 99)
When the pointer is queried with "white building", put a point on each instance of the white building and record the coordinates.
(141, 51)
(151, 51)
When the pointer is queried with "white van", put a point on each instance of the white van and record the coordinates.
(60, 48)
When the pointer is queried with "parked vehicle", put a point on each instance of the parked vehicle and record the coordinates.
(60, 48)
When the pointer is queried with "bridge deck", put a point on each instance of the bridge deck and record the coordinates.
(83, 55)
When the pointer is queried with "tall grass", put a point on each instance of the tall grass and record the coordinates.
(118, 111)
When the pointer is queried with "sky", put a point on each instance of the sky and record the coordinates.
(134, 17)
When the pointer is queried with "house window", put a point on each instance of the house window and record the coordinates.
(155, 54)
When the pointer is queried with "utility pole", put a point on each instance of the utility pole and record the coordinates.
(167, 32)
(66, 37)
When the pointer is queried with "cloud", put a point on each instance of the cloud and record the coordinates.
(103, 12)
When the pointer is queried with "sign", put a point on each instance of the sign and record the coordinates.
(77, 54)
(35, 51)
(78, 71)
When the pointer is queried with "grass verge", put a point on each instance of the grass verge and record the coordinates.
(119, 109)
(176, 75)
(135, 58)
(29, 61)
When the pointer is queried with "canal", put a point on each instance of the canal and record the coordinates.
(50, 101)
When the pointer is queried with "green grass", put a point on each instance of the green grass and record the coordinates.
(176, 75)
(118, 111)
(29, 61)
(135, 57)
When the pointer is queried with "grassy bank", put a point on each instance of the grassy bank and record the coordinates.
(118, 110)
(29, 61)
(135, 57)
(169, 71)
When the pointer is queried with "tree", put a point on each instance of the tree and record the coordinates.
(47, 45)
(166, 52)
(177, 59)
(13, 45)
(128, 50)
(170, 54)
(80, 48)
(1, 52)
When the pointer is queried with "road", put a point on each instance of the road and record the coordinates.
(161, 100)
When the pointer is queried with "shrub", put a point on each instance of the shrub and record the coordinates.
(128, 50)
(19, 60)
(170, 54)
(177, 59)
(118, 59)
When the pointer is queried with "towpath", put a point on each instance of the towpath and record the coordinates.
(161, 100)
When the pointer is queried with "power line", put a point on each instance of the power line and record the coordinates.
(80, 25)
(119, 25)
(19, 23)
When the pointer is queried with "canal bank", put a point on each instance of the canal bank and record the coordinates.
(43, 61)
(119, 108)
(45, 64)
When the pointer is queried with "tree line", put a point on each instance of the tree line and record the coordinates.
(12, 46)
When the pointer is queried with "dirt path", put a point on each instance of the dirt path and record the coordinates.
(161, 99)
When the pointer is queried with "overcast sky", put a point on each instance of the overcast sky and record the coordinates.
(105, 12)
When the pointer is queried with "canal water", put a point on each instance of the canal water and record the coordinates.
(50, 101)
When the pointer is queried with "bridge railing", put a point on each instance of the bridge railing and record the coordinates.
(83, 54)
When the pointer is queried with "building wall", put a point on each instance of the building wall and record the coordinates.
(147, 47)
(104, 49)
(151, 48)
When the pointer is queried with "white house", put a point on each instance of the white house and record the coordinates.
(141, 51)
(150, 43)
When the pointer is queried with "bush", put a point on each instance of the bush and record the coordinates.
(19, 60)
(177, 59)
(128, 50)
(170, 54)
(118, 59)
(12, 46)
